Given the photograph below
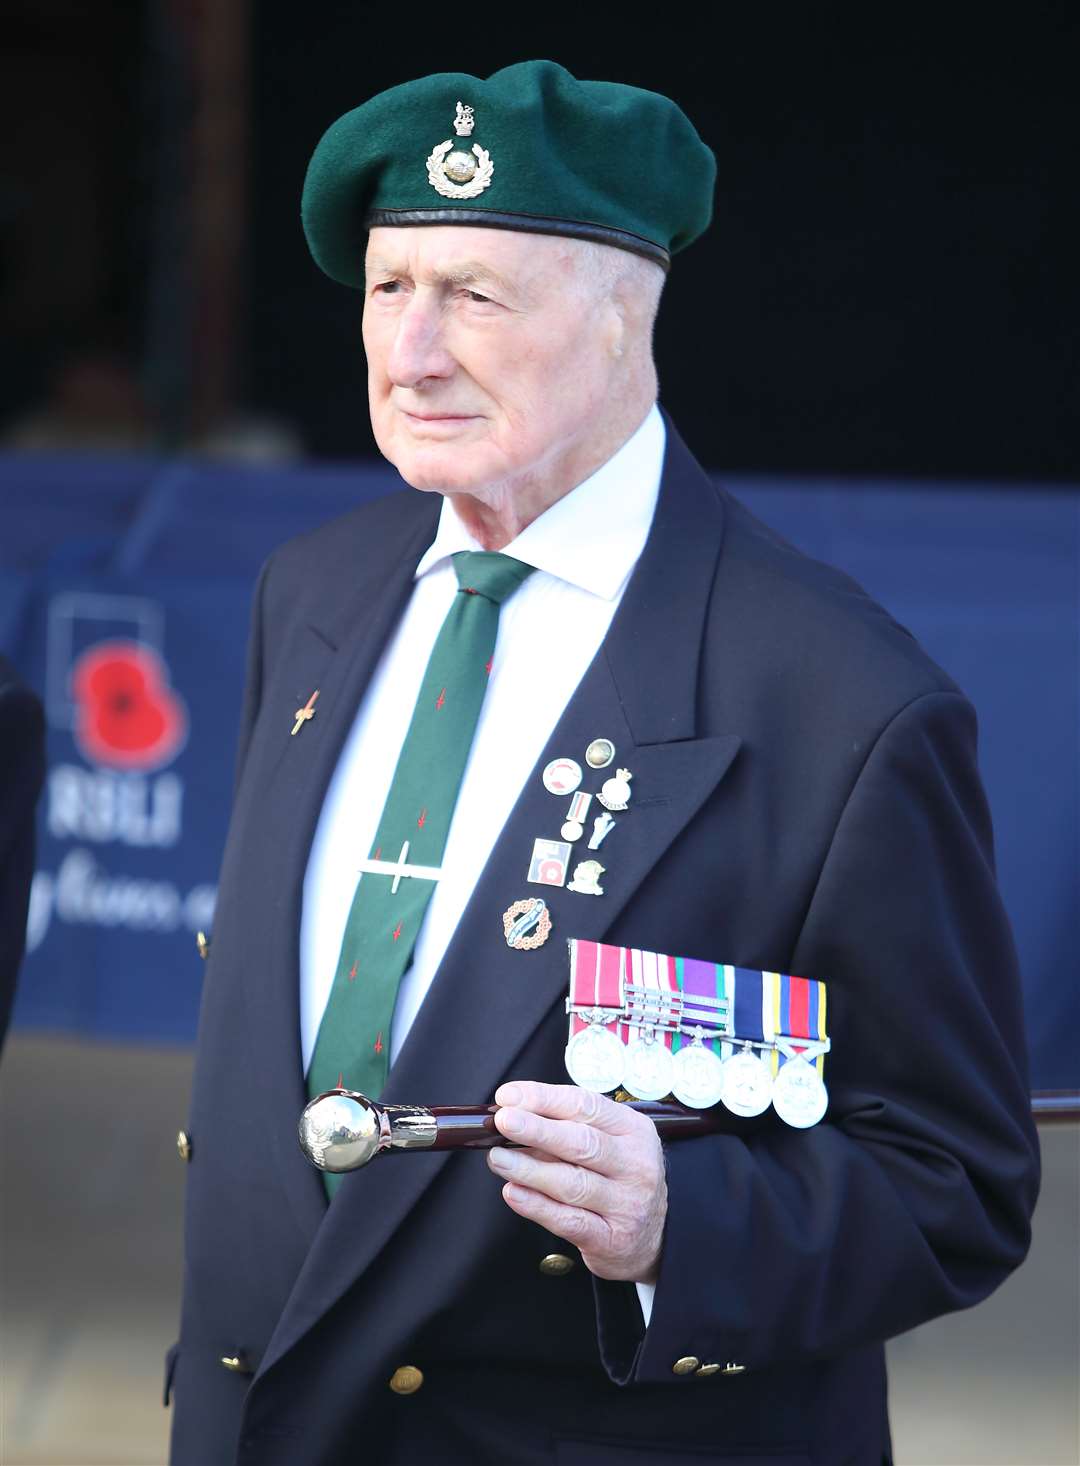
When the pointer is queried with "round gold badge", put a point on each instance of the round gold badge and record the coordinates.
(600, 752)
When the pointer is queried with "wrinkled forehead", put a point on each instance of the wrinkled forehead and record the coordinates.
(522, 262)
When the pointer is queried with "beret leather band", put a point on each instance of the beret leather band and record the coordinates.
(524, 224)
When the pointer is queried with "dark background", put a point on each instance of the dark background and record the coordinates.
(889, 286)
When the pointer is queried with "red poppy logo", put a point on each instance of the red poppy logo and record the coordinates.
(127, 715)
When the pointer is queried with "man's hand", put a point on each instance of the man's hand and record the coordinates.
(593, 1173)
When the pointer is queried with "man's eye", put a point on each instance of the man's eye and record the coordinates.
(475, 295)
(387, 287)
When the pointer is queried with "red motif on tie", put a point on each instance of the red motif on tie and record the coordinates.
(340, 1081)
(487, 665)
(421, 820)
(397, 931)
(440, 700)
(378, 852)
(379, 1043)
(352, 973)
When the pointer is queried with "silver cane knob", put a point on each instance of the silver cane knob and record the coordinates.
(341, 1131)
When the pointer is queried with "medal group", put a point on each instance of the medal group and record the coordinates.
(527, 923)
(655, 1026)
(703, 1032)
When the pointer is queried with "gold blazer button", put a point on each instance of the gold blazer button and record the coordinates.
(730, 1368)
(406, 1379)
(708, 1369)
(556, 1265)
(688, 1364)
(183, 1145)
(236, 1363)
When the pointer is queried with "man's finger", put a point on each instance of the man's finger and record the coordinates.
(568, 1140)
(587, 1231)
(572, 1185)
(567, 1102)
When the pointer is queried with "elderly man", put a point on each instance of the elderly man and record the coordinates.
(430, 680)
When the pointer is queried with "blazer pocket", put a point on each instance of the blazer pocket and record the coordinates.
(170, 1369)
(582, 1452)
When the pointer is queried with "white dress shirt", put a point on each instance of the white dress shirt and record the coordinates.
(583, 548)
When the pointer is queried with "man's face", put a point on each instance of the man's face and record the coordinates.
(491, 362)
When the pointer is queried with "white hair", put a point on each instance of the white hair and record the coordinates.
(635, 282)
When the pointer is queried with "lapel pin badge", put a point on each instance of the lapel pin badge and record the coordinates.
(562, 776)
(527, 924)
(616, 791)
(574, 827)
(586, 880)
(602, 826)
(550, 859)
(600, 752)
(305, 714)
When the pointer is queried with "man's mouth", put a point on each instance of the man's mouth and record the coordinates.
(439, 416)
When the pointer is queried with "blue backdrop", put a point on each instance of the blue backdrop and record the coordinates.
(124, 593)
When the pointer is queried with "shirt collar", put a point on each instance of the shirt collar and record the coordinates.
(591, 537)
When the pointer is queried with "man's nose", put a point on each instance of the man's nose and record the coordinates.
(419, 349)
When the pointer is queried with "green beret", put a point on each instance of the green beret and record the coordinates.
(531, 148)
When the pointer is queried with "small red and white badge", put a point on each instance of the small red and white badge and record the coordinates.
(562, 776)
(550, 860)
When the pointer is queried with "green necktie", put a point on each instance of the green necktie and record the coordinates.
(353, 1045)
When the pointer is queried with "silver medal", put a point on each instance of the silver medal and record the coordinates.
(799, 1095)
(649, 1067)
(747, 1084)
(595, 1059)
(697, 1077)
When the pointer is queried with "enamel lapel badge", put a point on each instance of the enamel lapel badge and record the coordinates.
(305, 714)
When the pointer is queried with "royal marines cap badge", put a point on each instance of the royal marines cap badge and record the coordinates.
(455, 173)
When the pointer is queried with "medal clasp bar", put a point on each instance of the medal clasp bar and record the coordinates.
(802, 1048)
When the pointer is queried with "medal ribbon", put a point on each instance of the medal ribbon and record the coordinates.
(781, 1015)
(747, 996)
(579, 808)
(654, 977)
(799, 1012)
(699, 979)
(596, 981)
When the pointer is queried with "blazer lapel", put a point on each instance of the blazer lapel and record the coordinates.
(335, 650)
(640, 691)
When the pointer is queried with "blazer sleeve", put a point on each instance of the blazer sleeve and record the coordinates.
(22, 771)
(913, 1197)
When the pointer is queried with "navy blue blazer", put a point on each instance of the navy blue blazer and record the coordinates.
(806, 799)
